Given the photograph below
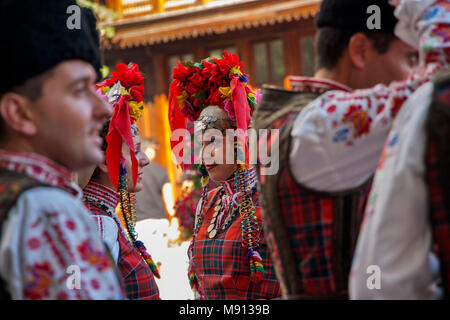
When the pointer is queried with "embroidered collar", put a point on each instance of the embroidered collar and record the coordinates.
(229, 184)
(229, 199)
(40, 168)
(105, 195)
(308, 84)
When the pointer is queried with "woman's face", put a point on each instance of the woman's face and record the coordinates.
(142, 162)
(218, 155)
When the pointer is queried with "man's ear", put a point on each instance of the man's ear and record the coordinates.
(16, 113)
(358, 50)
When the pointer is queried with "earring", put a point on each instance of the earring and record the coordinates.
(204, 173)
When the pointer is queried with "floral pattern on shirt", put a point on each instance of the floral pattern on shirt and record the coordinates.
(49, 241)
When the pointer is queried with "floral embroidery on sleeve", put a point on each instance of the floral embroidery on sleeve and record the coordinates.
(359, 120)
(53, 244)
(38, 279)
(363, 111)
(94, 257)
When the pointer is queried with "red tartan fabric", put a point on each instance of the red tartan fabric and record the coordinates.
(220, 264)
(309, 217)
(309, 220)
(137, 277)
(439, 214)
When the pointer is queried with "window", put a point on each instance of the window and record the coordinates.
(218, 53)
(268, 64)
(260, 69)
(307, 51)
(172, 62)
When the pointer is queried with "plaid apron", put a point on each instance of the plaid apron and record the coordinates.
(220, 265)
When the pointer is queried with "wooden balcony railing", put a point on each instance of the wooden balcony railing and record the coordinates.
(137, 7)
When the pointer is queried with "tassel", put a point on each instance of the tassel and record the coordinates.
(148, 258)
(249, 225)
(119, 132)
(243, 116)
(257, 271)
(176, 118)
(205, 181)
(193, 280)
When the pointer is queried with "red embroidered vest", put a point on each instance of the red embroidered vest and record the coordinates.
(220, 265)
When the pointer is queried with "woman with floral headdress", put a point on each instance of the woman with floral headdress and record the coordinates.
(228, 255)
(116, 182)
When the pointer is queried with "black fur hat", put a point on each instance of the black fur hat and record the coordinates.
(38, 35)
(353, 15)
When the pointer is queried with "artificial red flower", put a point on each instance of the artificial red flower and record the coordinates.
(182, 73)
(215, 97)
(206, 72)
(129, 76)
(229, 60)
(137, 93)
(192, 89)
(214, 70)
(198, 79)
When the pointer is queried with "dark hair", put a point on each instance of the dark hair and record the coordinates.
(31, 89)
(331, 43)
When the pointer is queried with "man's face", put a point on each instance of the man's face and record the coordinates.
(394, 65)
(69, 116)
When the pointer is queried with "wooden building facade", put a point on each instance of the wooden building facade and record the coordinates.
(274, 38)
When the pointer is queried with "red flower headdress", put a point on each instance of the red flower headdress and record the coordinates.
(220, 82)
(124, 89)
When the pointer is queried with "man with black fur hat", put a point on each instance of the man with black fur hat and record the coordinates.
(50, 117)
(355, 52)
(350, 55)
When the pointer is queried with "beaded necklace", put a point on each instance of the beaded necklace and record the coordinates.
(249, 223)
(128, 208)
(102, 206)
